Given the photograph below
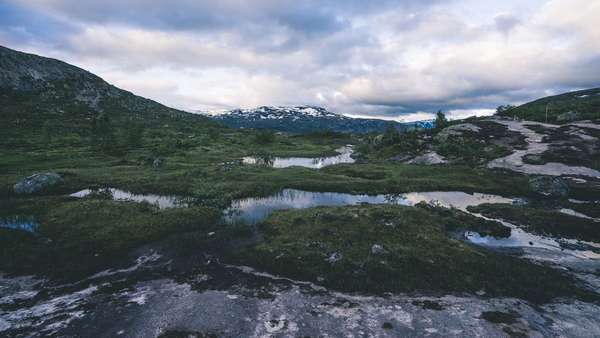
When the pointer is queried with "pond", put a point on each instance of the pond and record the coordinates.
(23, 223)
(344, 156)
(161, 201)
(254, 210)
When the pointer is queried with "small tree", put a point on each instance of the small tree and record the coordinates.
(47, 132)
(440, 120)
(503, 109)
(264, 136)
(391, 135)
(102, 134)
(134, 134)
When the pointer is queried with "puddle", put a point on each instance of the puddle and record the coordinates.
(24, 223)
(163, 202)
(344, 156)
(254, 210)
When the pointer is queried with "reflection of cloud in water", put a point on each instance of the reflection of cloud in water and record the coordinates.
(345, 156)
(253, 210)
(162, 202)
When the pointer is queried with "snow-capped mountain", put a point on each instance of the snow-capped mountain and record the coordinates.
(298, 119)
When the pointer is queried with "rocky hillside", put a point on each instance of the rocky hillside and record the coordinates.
(299, 119)
(36, 90)
(563, 108)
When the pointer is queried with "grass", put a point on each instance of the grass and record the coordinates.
(79, 236)
(585, 102)
(419, 254)
(543, 222)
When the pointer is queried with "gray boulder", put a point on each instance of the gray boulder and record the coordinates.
(428, 159)
(568, 116)
(37, 183)
(549, 186)
(378, 249)
(456, 130)
(334, 258)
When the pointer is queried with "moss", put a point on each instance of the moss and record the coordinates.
(543, 222)
(81, 236)
(418, 255)
(499, 317)
(185, 334)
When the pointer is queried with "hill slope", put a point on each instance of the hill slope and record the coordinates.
(572, 106)
(299, 119)
(37, 91)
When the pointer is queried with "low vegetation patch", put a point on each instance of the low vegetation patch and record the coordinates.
(543, 222)
(393, 248)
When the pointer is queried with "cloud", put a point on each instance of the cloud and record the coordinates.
(379, 58)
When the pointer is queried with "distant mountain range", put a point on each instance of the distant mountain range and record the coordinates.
(303, 119)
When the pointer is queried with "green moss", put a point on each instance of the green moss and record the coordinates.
(418, 254)
(499, 317)
(82, 236)
(543, 222)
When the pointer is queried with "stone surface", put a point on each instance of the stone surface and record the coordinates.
(378, 249)
(37, 183)
(549, 186)
(428, 159)
(568, 116)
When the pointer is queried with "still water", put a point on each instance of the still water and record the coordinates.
(254, 210)
(344, 156)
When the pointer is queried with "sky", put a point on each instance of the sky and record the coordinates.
(398, 60)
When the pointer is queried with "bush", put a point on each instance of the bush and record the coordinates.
(264, 137)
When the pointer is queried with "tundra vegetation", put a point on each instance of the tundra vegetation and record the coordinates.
(137, 145)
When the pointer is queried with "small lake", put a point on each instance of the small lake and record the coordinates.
(163, 202)
(254, 210)
(23, 223)
(344, 156)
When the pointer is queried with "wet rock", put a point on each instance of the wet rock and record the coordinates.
(428, 159)
(378, 249)
(533, 159)
(37, 183)
(334, 258)
(456, 130)
(549, 186)
(428, 305)
(158, 162)
(568, 116)
(499, 317)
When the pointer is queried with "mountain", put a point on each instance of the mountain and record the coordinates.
(572, 106)
(299, 119)
(36, 90)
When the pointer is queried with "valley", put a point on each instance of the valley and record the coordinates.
(120, 216)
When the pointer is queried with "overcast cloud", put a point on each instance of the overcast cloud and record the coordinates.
(391, 59)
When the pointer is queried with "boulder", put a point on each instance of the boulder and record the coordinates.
(456, 130)
(428, 159)
(568, 116)
(37, 183)
(157, 162)
(334, 258)
(378, 249)
(549, 186)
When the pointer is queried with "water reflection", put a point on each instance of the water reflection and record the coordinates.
(162, 202)
(254, 210)
(24, 223)
(344, 156)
